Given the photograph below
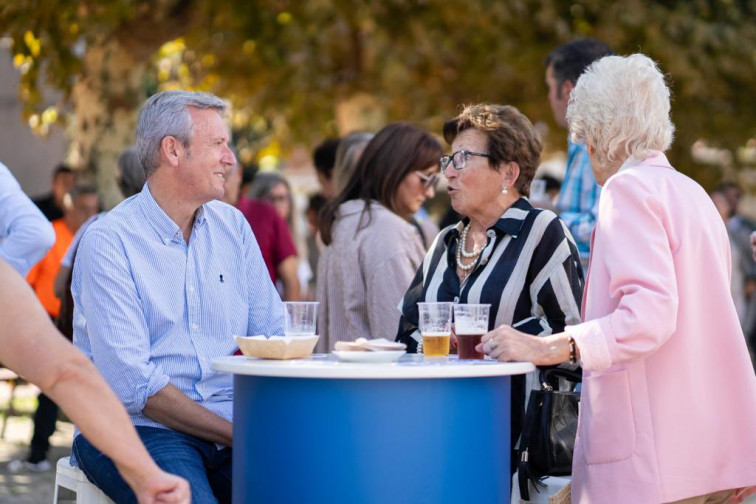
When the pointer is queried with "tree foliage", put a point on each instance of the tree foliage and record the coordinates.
(289, 65)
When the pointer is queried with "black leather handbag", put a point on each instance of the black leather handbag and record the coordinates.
(548, 436)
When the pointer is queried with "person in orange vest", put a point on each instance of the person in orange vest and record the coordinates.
(79, 205)
(82, 203)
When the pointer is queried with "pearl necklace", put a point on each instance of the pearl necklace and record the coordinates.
(461, 252)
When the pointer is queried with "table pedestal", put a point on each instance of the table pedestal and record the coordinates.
(304, 440)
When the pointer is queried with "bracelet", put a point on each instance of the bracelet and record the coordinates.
(573, 350)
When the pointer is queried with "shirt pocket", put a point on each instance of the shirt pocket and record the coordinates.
(607, 425)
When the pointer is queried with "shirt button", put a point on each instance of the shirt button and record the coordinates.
(195, 327)
(491, 233)
(484, 261)
(190, 288)
(167, 241)
(456, 299)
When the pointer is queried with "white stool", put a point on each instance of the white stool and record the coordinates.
(73, 478)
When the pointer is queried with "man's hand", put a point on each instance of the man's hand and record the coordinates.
(507, 344)
(174, 409)
(753, 245)
(159, 487)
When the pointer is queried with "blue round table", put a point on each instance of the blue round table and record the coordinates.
(416, 431)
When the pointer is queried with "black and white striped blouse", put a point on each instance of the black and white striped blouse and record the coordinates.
(529, 272)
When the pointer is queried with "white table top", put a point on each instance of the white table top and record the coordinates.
(409, 366)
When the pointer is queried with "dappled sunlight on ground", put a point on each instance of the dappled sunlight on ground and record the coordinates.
(28, 487)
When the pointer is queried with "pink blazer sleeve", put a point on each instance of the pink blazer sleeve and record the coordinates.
(633, 257)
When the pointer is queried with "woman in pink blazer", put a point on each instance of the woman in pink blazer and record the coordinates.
(668, 409)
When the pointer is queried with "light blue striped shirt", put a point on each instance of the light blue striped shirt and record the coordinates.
(578, 198)
(25, 234)
(150, 309)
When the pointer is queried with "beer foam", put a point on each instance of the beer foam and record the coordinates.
(468, 328)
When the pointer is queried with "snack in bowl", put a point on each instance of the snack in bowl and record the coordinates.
(365, 345)
(363, 350)
(276, 347)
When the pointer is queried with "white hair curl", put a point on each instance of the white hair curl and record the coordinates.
(620, 105)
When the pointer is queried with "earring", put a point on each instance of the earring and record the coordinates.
(504, 190)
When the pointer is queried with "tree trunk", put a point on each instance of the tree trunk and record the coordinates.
(106, 96)
(110, 88)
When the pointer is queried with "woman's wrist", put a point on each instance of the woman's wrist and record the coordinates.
(555, 349)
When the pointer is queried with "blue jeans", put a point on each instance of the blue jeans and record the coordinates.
(207, 469)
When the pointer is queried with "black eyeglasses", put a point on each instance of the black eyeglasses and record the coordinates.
(459, 159)
(429, 181)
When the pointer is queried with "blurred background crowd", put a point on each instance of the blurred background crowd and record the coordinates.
(310, 85)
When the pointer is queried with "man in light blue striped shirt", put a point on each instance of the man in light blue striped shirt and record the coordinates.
(577, 203)
(161, 284)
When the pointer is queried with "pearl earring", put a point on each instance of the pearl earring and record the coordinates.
(504, 190)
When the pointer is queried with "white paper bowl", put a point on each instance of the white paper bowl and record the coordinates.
(276, 347)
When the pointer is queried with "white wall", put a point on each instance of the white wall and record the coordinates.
(30, 157)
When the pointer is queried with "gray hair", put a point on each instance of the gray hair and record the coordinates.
(131, 172)
(347, 154)
(167, 114)
(82, 189)
(621, 106)
(264, 182)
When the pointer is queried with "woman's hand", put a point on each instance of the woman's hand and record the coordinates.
(453, 343)
(507, 344)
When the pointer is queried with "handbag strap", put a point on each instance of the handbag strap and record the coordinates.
(547, 374)
(524, 472)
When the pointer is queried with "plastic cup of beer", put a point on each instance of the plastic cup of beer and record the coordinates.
(435, 328)
(470, 324)
(300, 318)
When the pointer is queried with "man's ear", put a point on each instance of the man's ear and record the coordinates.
(171, 149)
(567, 87)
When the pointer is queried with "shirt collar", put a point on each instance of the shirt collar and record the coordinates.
(510, 222)
(656, 158)
(166, 229)
(572, 145)
(354, 206)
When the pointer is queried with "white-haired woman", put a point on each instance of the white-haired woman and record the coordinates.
(669, 396)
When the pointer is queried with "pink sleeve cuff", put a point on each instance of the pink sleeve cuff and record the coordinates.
(591, 340)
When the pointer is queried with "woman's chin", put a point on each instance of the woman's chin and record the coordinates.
(457, 207)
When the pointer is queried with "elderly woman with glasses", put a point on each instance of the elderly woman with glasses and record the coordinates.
(372, 249)
(519, 259)
(668, 405)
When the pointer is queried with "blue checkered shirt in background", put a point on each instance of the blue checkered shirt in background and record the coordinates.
(152, 310)
(578, 198)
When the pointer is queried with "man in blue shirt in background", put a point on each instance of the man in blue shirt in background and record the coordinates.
(160, 285)
(577, 203)
(25, 234)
